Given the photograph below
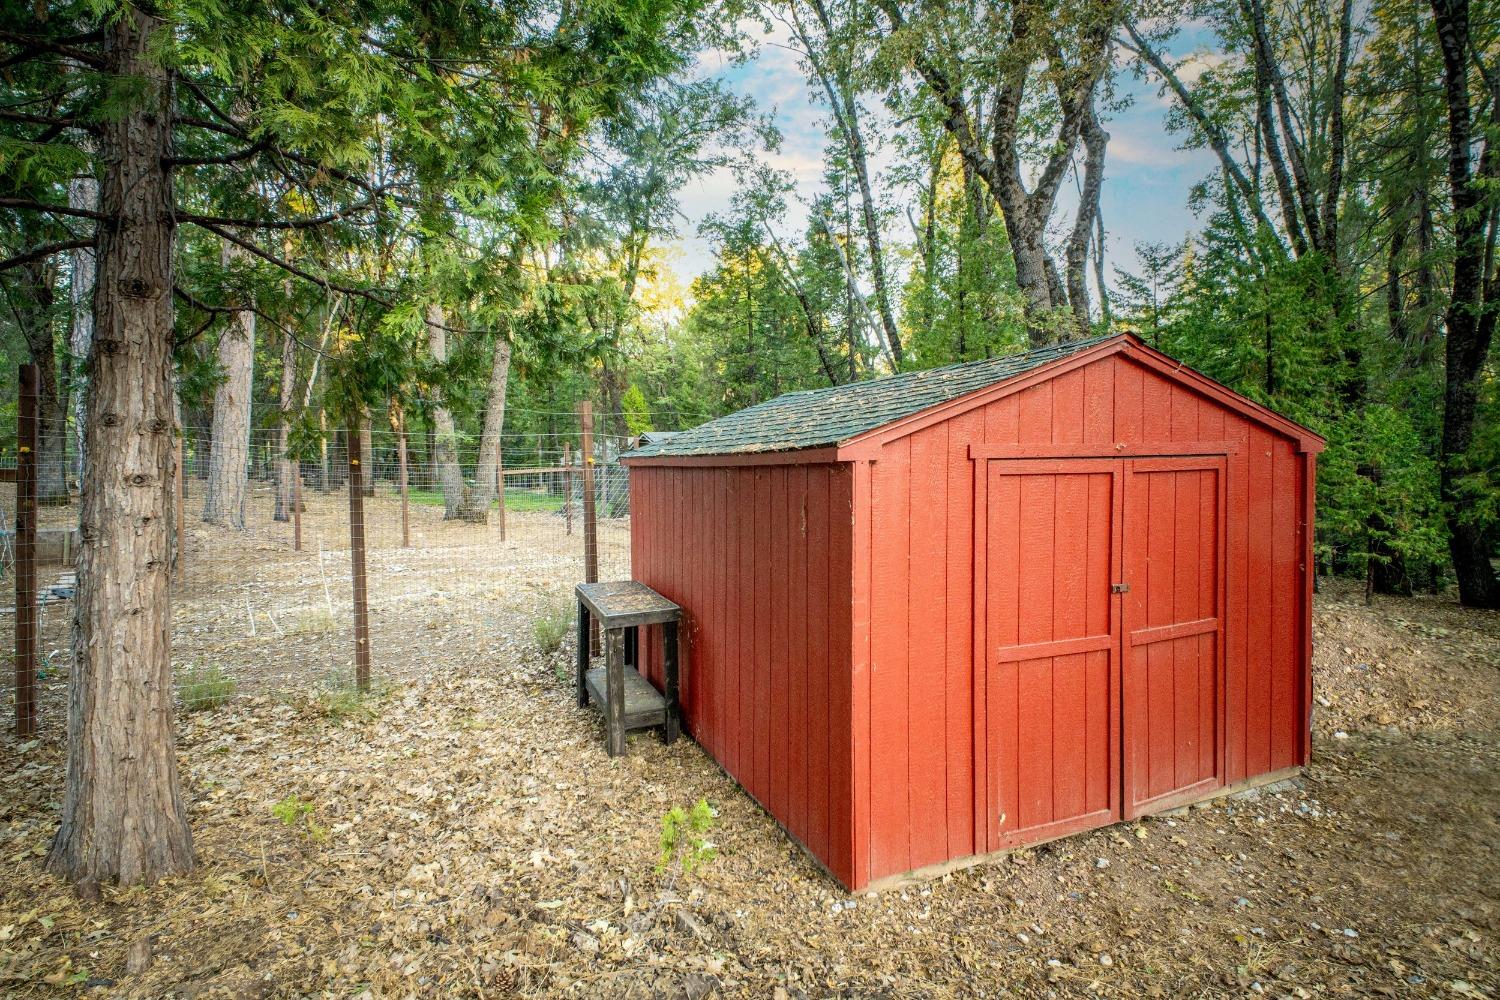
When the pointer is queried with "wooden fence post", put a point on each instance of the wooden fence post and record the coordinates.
(357, 570)
(590, 524)
(568, 487)
(25, 551)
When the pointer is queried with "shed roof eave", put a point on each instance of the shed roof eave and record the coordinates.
(820, 455)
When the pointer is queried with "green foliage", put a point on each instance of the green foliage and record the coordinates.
(339, 700)
(684, 837)
(637, 411)
(297, 813)
(204, 687)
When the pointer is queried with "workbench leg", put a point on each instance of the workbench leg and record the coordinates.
(583, 655)
(614, 672)
(669, 670)
(633, 647)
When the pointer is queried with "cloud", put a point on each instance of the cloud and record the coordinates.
(1195, 65)
(1148, 150)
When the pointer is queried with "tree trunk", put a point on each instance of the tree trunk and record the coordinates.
(445, 437)
(286, 469)
(83, 192)
(229, 454)
(37, 296)
(1104, 311)
(1030, 255)
(1470, 317)
(123, 818)
(1094, 140)
(488, 464)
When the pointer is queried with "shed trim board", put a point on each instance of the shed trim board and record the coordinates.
(1234, 506)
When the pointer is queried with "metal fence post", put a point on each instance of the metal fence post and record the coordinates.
(357, 570)
(401, 458)
(567, 488)
(590, 524)
(500, 484)
(25, 552)
(297, 505)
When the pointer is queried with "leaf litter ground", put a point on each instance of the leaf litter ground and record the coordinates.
(463, 834)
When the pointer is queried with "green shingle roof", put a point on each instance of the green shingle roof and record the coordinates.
(816, 418)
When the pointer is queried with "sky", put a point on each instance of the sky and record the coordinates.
(1146, 185)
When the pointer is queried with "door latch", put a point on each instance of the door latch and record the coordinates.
(1119, 588)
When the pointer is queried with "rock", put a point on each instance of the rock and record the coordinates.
(1105, 960)
(138, 958)
(1101, 863)
(696, 987)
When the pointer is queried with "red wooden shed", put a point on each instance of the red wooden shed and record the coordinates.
(946, 613)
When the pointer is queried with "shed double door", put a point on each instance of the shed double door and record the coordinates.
(1101, 585)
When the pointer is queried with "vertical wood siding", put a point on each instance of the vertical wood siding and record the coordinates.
(921, 741)
(760, 559)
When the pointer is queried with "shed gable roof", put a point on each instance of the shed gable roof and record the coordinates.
(815, 418)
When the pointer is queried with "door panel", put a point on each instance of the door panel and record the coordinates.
(1173, 625)
(1050, 544)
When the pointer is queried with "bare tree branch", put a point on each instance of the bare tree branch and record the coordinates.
(1212, 133)
(26, 204)
(45, 250)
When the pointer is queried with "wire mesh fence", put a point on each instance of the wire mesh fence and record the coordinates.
(468, 556)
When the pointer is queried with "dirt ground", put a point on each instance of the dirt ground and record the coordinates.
(463, 834)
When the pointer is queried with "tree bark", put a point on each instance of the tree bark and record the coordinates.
(1470, 315)
(83, 192)
(996, 156)
(123, 818)
(445, 436)
(1095, 139)
(286, 469)
(228, 486)
(487, 467)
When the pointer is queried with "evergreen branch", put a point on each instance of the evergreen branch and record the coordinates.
(235, 157)
(364, 293)
(309, 223)
(208, 103)
(29, 119)
(210, 126)
(213, 310)
(37, 44)
(45, 250)
(26, 204)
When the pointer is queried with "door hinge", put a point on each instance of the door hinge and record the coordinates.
(1119, 588)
